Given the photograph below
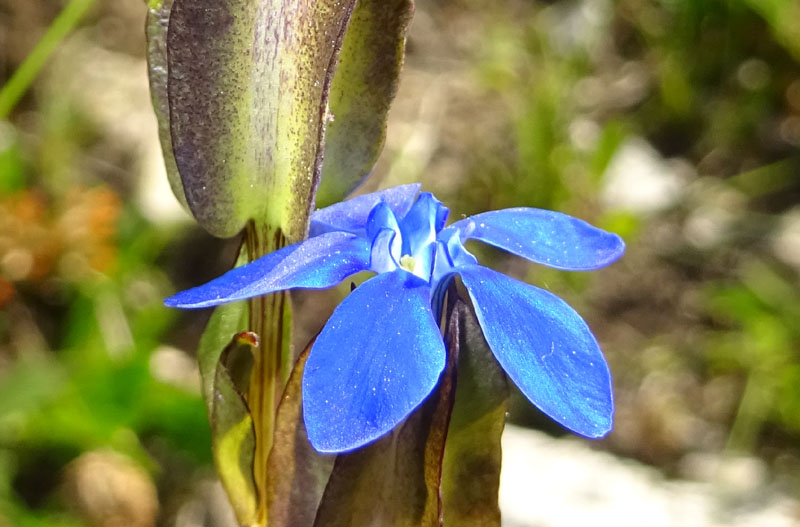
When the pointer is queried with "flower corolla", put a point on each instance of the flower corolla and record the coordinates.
(381, 352)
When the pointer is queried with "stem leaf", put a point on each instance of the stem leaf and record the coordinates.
(296, 473)
(233, 442)
(471, 467)
(232, 433)
(248, 84)
(156, 31)
(361, 93)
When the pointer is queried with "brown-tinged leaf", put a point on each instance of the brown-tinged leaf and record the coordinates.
(296, 473)
(363, 89)
(395, 481)
(248, 84)
(471, 468)
(156, 32)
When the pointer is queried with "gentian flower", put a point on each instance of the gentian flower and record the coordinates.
(381, 352)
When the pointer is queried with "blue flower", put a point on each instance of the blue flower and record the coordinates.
(381, 352)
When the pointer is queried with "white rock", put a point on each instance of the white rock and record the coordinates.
(549, 482)
(638, 179)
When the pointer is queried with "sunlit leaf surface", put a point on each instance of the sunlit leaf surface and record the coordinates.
(361, 93)
(232, 435)
(247, 88)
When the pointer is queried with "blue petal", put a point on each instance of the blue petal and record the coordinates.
(546, 348)
(544, 237)
(351, 215)
(384, 231)
(380, 218)
(450, 254)
(314, 264)
(376, 359)
(419, 227)
(384, 252)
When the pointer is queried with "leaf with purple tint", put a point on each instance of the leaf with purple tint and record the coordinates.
(248, 84)
(296, 473)
(156, 32)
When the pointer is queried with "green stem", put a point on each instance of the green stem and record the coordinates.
(21, 80)
(747, 423)
(268, 319)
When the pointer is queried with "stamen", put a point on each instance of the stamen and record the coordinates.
(408, 262)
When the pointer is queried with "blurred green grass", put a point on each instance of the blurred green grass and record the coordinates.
(675, 123)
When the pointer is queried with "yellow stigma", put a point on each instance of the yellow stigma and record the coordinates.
(407, 262)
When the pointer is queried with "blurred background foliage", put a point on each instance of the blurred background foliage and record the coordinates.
(673, 122)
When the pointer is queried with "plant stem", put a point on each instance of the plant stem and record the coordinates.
(21, 80)
(268, 319)
(747, 422)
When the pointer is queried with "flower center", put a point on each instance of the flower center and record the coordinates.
(412, 243)
(408, 262)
